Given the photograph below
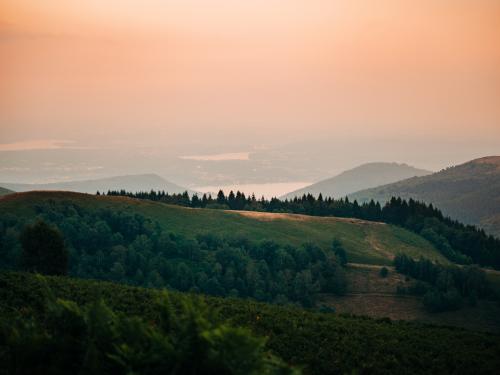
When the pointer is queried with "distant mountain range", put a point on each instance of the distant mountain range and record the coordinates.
(363, 177)
(468, 192)
(134, 183)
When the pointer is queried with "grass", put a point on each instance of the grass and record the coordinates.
(365, 242)
(324, 343)
(4, 191)
(372, 295)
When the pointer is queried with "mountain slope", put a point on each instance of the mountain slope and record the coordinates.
(4, 191)
(144, 182)
(469, 192)
(365, 242)
(363, 177)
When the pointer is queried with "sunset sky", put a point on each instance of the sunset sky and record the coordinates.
(89, 74)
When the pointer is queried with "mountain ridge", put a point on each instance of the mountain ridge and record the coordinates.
(139, 182)
(469, 192)
(359, 178)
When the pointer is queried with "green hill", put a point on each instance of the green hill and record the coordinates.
(468, 192)
(323, 343)
(4, 191)
(363, 177)
(365, 242)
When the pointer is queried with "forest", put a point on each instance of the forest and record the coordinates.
(443, 287)
(460, 243)
(119, 246)
(317, 343)
(63, 337)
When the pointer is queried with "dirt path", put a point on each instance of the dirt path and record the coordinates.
(373, 241)
(269, 216)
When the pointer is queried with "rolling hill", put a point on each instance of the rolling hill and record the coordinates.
(369, 246)
(365, 242)
(134, 183)
(363, 177)
(4, 191)
(469, 192)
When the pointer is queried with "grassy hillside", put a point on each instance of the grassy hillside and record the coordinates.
(363, 177)
(369, 294)
(365, 242)
(469, 192)
(323, 343)
(4, 191)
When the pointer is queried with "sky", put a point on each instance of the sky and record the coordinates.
(183, 78)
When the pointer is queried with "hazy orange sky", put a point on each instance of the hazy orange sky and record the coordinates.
(166, 70)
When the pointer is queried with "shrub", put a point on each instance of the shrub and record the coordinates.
(384, 272)
(96, 340)
(43, 249)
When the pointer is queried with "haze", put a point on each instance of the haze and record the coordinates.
(302, 89)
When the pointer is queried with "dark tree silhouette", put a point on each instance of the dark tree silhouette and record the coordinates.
(43, 249)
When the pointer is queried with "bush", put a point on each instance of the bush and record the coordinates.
(444, 287)
(96, 340)
(439, 301)
(339, 251)
(43, 250)
(384, 272)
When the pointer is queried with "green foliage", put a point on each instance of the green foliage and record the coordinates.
(339, 251)
(436, 300)
(384, 272)
(443, 287)
(357, 237)
(96, 340)
(43, 250)
(129, 248)
(457, 242)
(324, 343)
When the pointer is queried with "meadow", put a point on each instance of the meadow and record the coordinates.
(365, 242)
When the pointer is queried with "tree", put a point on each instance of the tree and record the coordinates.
(384, 272)
(221, 198)
(44, 250)
(339, 251)
(96, 340)
(117, 272)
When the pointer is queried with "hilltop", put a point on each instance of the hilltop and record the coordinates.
(363, 177)
(365, 241)
(469, 192)
(141, 182)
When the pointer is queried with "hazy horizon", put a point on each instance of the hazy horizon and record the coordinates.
(223, 93)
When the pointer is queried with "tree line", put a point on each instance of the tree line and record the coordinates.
(128, 248)
(443, 287)
(460, 243)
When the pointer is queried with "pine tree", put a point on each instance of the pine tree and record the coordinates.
(44, 250)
